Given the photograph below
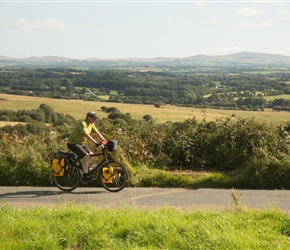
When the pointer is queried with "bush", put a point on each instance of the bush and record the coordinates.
(147, 117)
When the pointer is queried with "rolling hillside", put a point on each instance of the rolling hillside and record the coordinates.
(237, 59)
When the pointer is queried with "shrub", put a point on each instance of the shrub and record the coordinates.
(147, 117)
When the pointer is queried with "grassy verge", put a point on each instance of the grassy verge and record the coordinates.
(87, 227)
(142, 176)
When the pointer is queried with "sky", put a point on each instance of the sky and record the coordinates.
(142, 29)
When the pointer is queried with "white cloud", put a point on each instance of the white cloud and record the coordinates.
(47, 24)
(247, 12)
(245, 25)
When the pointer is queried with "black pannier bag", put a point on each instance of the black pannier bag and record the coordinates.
(112, 145)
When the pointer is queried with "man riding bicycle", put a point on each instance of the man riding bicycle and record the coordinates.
(80, 134)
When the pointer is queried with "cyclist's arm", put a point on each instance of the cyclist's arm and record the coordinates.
(99, 135)
(90, 138)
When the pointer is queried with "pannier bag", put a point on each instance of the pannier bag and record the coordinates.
(107, 174)
(60, 162)
(112, 145)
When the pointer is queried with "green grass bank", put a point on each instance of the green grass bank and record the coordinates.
(87, 227)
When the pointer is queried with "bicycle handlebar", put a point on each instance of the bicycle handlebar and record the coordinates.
(104, 143)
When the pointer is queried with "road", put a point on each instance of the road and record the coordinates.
(147, 198)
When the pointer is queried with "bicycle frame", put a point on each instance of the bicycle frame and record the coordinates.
(104, 160)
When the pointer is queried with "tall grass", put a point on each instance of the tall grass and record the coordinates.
(87, 227)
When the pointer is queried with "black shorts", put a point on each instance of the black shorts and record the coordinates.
(80, 150)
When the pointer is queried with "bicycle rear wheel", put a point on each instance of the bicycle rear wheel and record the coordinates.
(114, 176)
(70, 180)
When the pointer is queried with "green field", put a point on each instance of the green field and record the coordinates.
(78, 109)
(272, 98)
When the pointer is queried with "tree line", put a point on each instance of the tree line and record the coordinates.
(218, 90)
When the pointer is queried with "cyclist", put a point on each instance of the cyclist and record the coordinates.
(79, 135)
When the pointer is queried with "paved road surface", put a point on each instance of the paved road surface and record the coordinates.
(147, 197)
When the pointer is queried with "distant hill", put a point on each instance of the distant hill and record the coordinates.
(237, 59)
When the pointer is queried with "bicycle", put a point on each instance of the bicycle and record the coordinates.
(112, 174)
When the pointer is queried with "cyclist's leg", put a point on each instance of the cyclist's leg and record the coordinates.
(86, 159)
(81, 151)
(85, 163)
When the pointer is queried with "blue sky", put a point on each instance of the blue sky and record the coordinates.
(145, 29)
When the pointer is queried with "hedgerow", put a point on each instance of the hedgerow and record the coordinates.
(250, 154)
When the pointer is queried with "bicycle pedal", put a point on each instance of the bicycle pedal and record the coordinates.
(87, 179)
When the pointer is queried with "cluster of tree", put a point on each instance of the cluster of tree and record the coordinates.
(280, 104)
(176, 88)
(44, 114)
(109, 109)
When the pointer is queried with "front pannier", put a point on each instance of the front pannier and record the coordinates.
(112, 145)
(107, 174)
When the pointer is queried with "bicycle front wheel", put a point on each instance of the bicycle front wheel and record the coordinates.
(70, 180)
(114, 176)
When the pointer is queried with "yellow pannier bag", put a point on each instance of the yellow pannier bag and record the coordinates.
(107, 174)
(58, 166)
